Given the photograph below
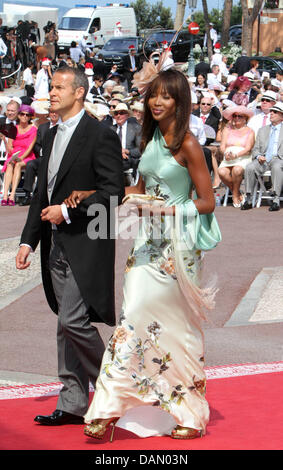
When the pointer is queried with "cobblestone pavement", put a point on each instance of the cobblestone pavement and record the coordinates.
(14, 282)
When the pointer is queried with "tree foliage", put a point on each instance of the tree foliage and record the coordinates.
(216, 17)
(149, 16)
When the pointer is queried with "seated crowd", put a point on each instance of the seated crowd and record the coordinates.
(236, 119)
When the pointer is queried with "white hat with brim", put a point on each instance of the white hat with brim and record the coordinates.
(45, 62)
(89, 72)
(41, 107)
(137, 106)
(99, 111)
(250, 76)
(277, 107)
(269, 94)
(228, 112)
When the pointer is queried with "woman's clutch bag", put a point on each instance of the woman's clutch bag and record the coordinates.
(139, 199)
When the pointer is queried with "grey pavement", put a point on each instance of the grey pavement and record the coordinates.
(245, 327)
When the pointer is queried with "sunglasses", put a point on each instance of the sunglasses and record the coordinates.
(25, 114)
(240, 116)
(266, 100)
(274, 111)
(116, 113)
(206, 104)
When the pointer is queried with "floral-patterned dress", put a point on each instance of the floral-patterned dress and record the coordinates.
(155, 358)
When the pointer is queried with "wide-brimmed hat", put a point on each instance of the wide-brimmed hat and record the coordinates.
(250, 76)
(270, 95)
(137, 106)
(228, 112)
(278, 106)
(41, 106)
(98, 110)
(122, 107)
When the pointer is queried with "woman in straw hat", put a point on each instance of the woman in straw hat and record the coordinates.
(236, 145)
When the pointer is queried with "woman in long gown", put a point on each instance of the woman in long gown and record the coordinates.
(155, 357)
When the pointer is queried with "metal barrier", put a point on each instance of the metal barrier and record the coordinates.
(13, 73)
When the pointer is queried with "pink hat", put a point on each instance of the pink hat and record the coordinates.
(228, 112)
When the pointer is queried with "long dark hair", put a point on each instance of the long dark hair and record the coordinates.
(176, 85)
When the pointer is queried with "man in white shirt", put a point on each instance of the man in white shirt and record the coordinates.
(28, 80)
(41, 86)
(262, 119)
(118, 29)
(213, 36)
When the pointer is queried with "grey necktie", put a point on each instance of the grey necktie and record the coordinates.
(55, 159)
(120, 133)
(56, 153)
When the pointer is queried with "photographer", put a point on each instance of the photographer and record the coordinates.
(50, 39)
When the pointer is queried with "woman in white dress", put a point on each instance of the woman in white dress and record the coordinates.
(152, 378)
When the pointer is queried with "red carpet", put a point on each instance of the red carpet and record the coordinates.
(246, 414)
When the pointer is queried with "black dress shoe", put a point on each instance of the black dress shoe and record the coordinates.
(26, 201)
(58, 418)
(247, 205)
(274, 207)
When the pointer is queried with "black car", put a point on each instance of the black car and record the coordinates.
(235, 34)
(117, 48)
(180, 46)
(269, 64)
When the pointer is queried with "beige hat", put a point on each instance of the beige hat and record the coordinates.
(137, 106)
(278, 106)
(122, 107)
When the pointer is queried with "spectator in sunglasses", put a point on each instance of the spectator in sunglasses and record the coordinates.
(236, 146)
(129, 132)
(23, 143)
(267, 100)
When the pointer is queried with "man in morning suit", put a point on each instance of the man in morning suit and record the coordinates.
(267, 154)
(77, 264)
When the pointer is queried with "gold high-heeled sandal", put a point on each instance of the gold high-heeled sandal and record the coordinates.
(181, 432)
(98, 428)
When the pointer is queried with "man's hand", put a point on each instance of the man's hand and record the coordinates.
(261, 159)
(125, 154)
(22, 256)
(52, 214)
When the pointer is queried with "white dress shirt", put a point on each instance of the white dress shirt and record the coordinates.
(197, 128)
(258, 121)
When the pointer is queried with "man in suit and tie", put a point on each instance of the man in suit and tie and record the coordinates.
(210, 116)
(131, 65)
(267, 154)
(77, 254)
(129, 132)
(261, 119)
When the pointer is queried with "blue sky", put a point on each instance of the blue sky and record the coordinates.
(168, 3)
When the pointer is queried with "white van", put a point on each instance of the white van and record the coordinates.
(97, 22)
